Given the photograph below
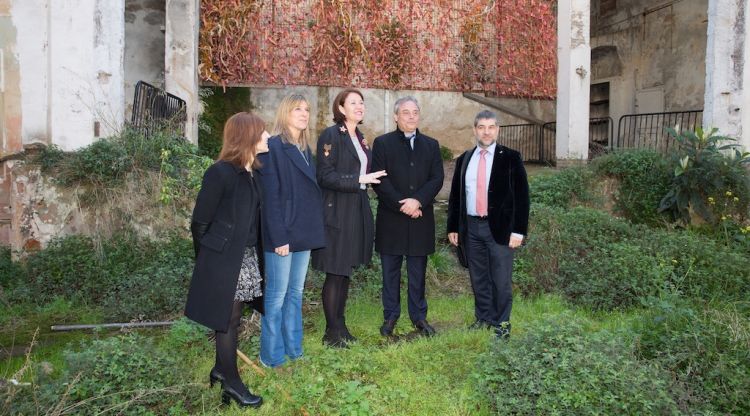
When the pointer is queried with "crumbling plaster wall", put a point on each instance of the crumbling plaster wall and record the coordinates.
(446, 116)
(144, 46)
(660, 45)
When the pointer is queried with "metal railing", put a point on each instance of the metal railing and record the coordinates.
(650, 130)
(537, 143)
(154, 109)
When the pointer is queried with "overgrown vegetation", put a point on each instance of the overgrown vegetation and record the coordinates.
(625, 314)
(219, 104)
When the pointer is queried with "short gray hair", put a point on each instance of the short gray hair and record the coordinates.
(402, 100)
(485, 115)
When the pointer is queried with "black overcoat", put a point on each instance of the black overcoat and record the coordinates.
(507, 197)
(346, 208)
(223, 203)
(414, 174)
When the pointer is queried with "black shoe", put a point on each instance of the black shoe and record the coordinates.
(425, 328)
(387, 329)
(479, 325)
(247, 399)
(215, 377)
(334, 339)
(502, 331)
(345, 334)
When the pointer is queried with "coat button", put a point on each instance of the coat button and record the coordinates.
(411, 163)
(330, 204)
(411, 187)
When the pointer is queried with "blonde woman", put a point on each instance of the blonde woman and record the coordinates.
(292, 226)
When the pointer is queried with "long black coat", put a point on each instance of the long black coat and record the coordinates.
(223, 203)
(346, 208)
(507, 197)
(411, 173)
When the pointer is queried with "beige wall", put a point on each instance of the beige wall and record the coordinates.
(446, 116)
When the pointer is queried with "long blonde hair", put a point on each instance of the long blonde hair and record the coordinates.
(281, 122)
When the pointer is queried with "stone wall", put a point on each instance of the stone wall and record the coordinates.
(446, 116)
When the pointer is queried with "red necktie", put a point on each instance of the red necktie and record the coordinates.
(481, 187)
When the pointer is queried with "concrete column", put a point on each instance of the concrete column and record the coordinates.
(573, 81)
(181, 56)
(85, 71)
(727, 103)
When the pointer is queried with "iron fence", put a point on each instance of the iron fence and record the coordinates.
(537, 143)
(650, 130)
(154, 109)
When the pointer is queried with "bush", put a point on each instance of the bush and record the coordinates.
(701, 267)
(446, 154)
(643, 179)
(559, 367)
(219, 104)
(562, 189)
(707, 167)
(132, 277)
(706, 350)
(556, 234)
(123, 375)
(612, 276)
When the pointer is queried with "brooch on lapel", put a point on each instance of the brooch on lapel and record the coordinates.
(364, 143)
(326, 149)
(343, 129)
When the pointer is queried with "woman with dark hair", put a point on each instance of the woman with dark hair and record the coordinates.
(226, 236)
(293, 225)
(343, 161)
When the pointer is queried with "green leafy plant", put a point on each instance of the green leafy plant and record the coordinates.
(563, 188)
(643, 178)
(707, 350)
(559, 366)
(705, 165)
(446, 154)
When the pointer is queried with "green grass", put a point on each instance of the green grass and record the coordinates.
(413, 376)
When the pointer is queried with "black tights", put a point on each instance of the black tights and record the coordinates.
(226, 350)
(335, 293)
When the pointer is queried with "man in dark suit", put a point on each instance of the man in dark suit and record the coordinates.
(488, 215)
(405, 224)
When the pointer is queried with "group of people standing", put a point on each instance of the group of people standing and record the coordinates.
(267, 209)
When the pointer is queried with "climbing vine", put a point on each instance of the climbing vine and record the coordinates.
(504, 47)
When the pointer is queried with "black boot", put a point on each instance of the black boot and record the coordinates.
(243, 399)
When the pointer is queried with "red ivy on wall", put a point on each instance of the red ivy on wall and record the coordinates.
(502, 47)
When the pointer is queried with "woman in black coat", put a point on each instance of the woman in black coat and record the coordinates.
(343, 161)
(226, 236)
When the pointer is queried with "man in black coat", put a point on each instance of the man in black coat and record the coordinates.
(405, 224)
(488, 215)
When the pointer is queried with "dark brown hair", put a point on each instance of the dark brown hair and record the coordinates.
(242, 133)
(338, 116)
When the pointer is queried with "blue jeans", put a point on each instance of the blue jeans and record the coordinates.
(281, 325)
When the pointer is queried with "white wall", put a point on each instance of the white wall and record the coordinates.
(71, 63)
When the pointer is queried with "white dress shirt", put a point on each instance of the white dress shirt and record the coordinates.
(471, 180)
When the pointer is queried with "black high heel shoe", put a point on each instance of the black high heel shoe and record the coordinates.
(244, 400)
(215, 377)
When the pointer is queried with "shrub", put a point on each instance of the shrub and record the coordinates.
(219, 104)
(612, 276)
(132, 277)
(124, 375)
(706, 350)
(643, 179)
(157, 287)
(560, 367)
(556, 234)
(701, 267)
(446, 154)
(563, 188)
(706, 167)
